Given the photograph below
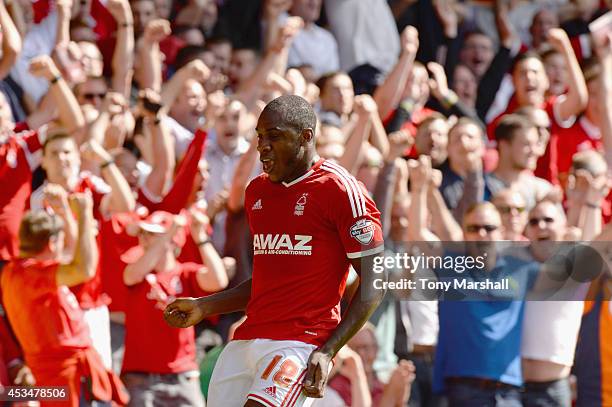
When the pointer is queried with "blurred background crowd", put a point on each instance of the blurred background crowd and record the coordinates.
(127, 141)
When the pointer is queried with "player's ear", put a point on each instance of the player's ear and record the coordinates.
(307, 135)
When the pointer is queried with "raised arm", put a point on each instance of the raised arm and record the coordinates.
(158, 181)
(576, 99)
(242, 174)
(120, 198)
(136, 272)
(69, 111)
(123, 57)
(606, 99)
(149, 55)
(83, 266)
(11, 42)
(387, 95)
(195, 70)
(420, 179)
(57, 198)
(354, 143)
(64, 9)
(249, 91)
(213, 277)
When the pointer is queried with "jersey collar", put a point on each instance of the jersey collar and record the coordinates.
(308, 174)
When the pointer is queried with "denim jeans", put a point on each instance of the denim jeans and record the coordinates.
(550, 394)
(467, 395)
(421, 394)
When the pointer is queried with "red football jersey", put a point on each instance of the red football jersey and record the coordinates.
(151, 345)
(18, 158)
(583, 135)
(89, 294)
(31, 295)
(304, 235)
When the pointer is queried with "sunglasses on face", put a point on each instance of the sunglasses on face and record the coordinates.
(536, 221)
(92, 96)
(508, 209)
(478, 228)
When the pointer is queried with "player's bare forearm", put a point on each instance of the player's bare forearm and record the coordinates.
(363, 304)
(185, 312)
(225, 302)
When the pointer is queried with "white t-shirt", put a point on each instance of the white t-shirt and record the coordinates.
(550, 330)
(315, 46)
(40, 40)
(423, 319)
(365, 31)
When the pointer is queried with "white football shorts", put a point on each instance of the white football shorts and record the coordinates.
(267, 371)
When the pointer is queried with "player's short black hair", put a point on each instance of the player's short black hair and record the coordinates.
(294, 111)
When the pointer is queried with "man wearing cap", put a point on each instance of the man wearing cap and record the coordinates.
(155, 278)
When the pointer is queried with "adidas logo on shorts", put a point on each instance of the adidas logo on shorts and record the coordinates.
(257, 205)
(270, 391)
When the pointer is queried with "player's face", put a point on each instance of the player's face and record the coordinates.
(282, 150)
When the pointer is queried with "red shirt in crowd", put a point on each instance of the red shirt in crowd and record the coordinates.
(88, 294)
(18, 159)
(148, 334)
(116, 241)
(304, 234)
(9, 351)
(58, 351)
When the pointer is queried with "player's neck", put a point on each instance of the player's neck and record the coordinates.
(303, 168)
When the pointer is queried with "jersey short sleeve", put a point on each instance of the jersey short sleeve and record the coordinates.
(354, 214)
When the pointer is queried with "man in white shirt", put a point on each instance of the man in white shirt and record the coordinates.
(313, 45)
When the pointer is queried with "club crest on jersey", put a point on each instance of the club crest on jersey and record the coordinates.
(363, 231)
(300, 204)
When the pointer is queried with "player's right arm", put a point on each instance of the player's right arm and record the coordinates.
(186, 312)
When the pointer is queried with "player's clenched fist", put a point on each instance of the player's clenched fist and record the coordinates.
(183, 313)
(315, 379)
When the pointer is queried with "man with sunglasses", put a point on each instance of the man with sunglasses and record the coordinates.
(511, 206)
(477, 360)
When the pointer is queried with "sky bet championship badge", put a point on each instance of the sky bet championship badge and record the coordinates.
(363, 231)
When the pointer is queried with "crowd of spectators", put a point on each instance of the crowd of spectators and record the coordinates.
(127, 141)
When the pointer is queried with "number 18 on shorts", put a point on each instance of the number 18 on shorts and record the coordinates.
(267, 371)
